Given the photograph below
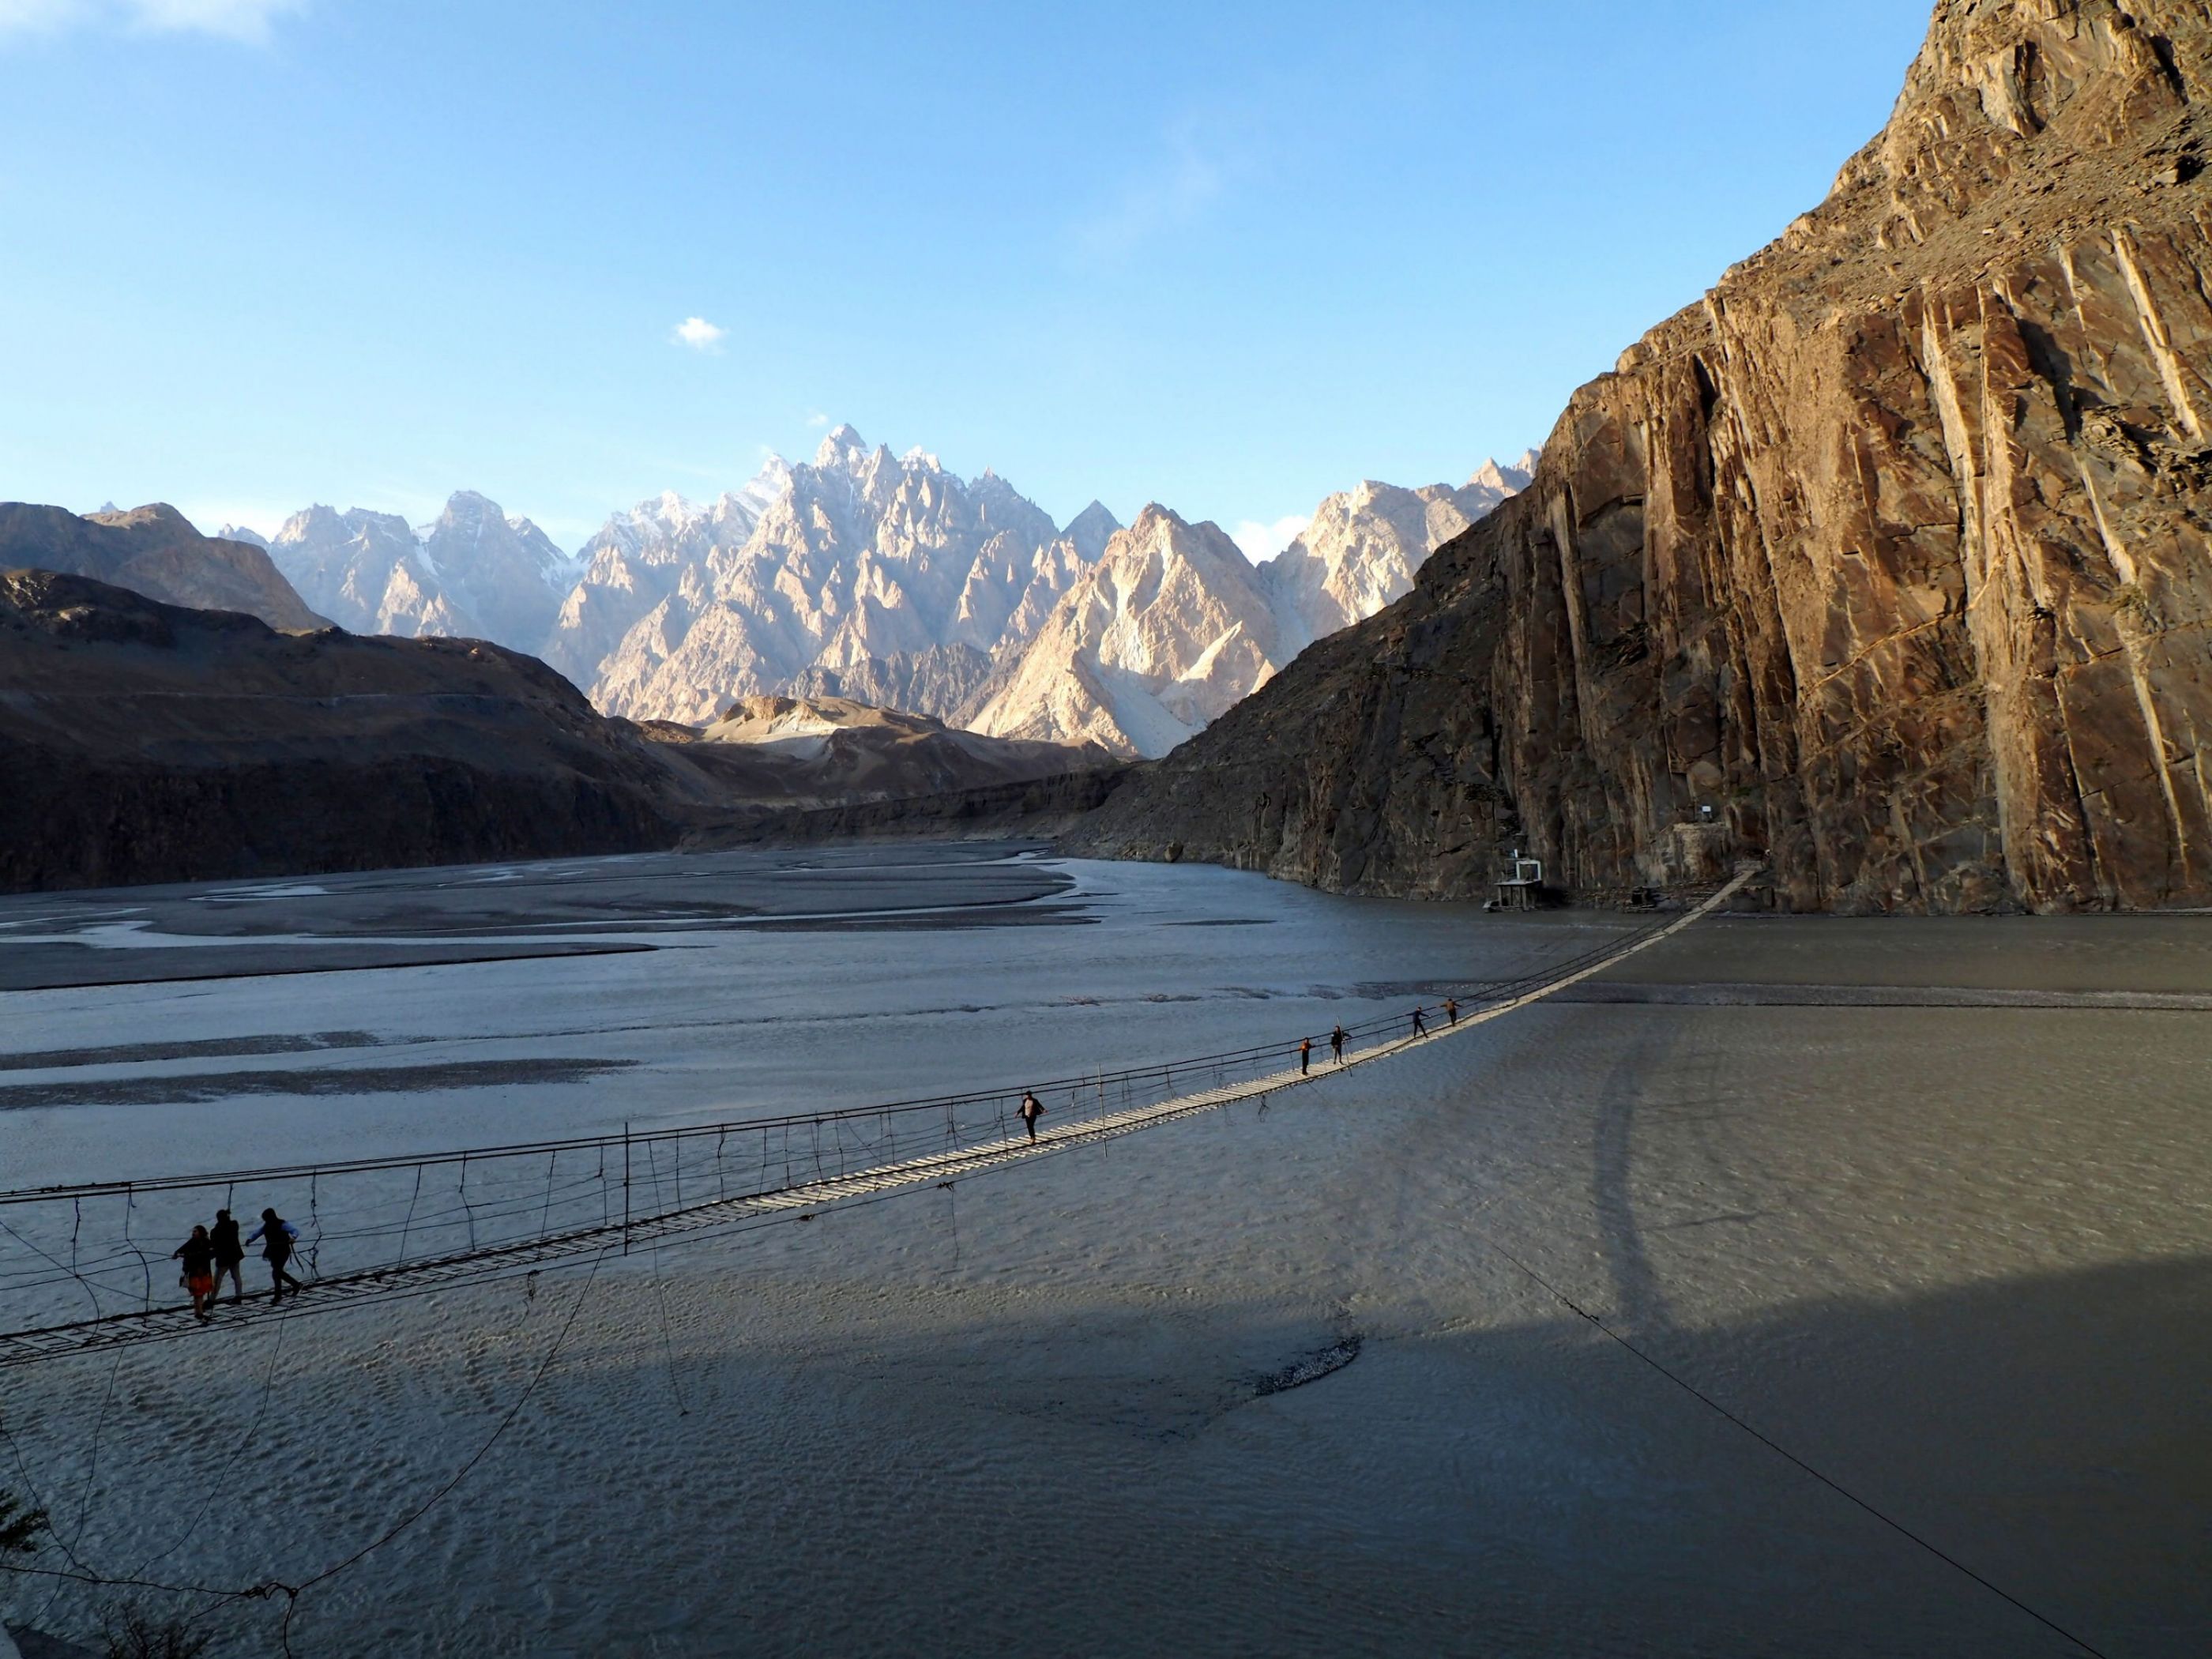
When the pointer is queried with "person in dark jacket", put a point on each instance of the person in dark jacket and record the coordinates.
(1305, 1056)
(1032, 1110)
(230, 1255)
(1419, 1027)
(277, 1235)
(1336, 1044)
(197, 1254)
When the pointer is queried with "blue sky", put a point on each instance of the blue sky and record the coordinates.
(255, 253)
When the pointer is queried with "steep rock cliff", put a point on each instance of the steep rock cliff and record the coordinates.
(1891, 553)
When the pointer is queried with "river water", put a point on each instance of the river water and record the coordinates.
(1915, 1209)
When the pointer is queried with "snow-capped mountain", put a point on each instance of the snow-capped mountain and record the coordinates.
(1172, 624)
(869, 576)
(473, 571)
(1170, 627)
(1359, 550)
(894, 582)
(637, 558)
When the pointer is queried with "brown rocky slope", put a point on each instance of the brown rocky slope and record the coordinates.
(145, 742)
(810, 753)
(153, 550)
(1892, 551)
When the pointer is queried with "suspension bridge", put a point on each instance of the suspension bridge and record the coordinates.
(80, 1265)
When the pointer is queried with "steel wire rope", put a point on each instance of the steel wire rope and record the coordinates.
(580, 1240)
(222, 1475)
(711, 1233)
(410, 1213)
(667, 1339)
(272, 1587)
(314, 1221)
(129, 1204)
(89, 1290)
(91, 1475)
(294, 1592)
(1781, 1450)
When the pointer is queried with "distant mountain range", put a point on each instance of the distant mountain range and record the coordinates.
(474, 573)
(891, 581)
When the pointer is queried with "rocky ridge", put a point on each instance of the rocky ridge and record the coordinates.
(473, 573)
(155, 551)
(1361, 548)
(636, 560)
(865, 572)
(1173, 626)
(819, 751)
(148, 742)
(1889, 556)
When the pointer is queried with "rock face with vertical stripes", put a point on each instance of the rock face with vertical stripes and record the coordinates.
(1890, 556)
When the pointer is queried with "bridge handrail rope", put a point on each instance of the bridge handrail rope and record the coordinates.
(889, 1147)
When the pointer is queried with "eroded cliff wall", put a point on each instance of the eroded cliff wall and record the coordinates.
(1893, 552)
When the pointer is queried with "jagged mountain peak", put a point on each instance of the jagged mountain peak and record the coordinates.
(842, 447)
(1090, 530)
(472, 571)
(1162, 528)
(866, 570)
(319, 517)
(1507, 478)
(158, 516)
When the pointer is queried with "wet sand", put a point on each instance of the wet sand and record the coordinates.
(400, 919)
(1278, 1382)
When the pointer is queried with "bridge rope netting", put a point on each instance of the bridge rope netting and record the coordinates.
(86, 1267)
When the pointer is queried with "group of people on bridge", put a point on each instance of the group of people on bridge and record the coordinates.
(215, 1252)
(1451, 1006)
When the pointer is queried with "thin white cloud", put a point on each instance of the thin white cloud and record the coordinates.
(1262, 541)
(30, 17)
(244, 21)
(699, 334)
(817, 420)
(1161, 195)
(1163, 198)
